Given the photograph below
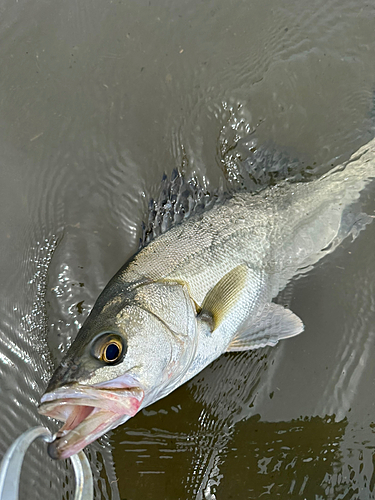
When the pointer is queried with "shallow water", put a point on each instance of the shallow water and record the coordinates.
(97, 101)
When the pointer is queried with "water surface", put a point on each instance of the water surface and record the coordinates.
(97, 101)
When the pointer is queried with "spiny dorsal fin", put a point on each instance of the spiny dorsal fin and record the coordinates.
(179, 199)
(275, 323)
(223, 296)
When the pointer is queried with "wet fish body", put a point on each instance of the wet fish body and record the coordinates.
(202, 288)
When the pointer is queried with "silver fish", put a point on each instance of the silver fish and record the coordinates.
(203, 288)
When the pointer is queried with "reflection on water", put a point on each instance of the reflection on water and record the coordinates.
(301, 458)
(97, 101)
(298, 459)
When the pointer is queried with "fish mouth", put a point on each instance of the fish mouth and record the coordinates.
(88, 412)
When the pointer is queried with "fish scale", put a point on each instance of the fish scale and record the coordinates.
(202, 288)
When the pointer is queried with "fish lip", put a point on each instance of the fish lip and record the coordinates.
(88, 413)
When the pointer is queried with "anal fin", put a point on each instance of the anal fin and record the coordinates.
(273, 324)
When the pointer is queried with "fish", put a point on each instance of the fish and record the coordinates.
(204, 287)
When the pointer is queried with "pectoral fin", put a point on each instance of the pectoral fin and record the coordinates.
(275, 323)
(223, 296)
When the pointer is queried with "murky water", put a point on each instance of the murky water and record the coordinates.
(97, 101)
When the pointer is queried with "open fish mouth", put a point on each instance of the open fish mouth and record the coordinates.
(88, 413)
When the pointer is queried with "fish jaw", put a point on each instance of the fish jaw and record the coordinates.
(88, 412)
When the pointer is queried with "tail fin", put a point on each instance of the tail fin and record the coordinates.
(356, 173)
(321, 214)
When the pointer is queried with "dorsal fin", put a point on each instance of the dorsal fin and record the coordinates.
(178, 200)
(246, 166)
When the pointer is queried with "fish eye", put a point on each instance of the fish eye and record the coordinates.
(110, 348)
(111, 352)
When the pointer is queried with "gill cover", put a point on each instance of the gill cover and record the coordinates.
(171, 305)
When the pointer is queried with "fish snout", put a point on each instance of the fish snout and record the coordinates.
(88, 412)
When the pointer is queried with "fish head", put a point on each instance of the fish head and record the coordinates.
(129, 353)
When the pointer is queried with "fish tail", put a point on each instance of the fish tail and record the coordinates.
(356, 173)
(344, 185)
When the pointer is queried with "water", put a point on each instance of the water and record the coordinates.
(97, 101)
